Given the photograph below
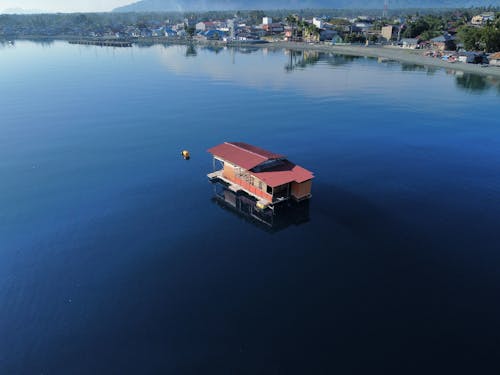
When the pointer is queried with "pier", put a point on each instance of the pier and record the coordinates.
(103, 43)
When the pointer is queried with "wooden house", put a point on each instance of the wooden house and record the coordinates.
(270, 178)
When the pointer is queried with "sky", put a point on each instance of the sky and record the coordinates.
(64, 5)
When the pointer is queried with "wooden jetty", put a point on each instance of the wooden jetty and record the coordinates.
(102, 43)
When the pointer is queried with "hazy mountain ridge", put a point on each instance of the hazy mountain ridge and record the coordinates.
(21, 11)
(203, 5)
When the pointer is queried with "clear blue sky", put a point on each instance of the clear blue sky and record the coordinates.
(64, 5)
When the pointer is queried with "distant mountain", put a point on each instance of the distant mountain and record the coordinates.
(21, 11)
(203, 5)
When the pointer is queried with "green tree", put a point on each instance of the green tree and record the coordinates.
(311, 32)
(354, 38)
(190, 30)
(490, 38)
(256, 16)
(292, 20)
(429, 34)
(485, 39)
(470, 37)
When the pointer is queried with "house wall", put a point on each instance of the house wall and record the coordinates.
(439, 45)
(387, 32)
(318, 23)
(477, 20)
(229, 173)
(302, 190)
(495, 62)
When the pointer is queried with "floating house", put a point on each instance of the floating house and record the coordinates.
(268, 177)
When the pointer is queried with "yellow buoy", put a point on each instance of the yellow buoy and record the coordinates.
(185, 154)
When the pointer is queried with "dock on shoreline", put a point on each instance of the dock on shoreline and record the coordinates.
(102, 43)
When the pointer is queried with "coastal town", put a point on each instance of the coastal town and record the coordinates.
(249, 187)
(463, 36)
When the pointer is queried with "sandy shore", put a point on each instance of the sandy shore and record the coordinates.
(390, 53)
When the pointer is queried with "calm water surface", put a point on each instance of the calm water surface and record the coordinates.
(115, 259)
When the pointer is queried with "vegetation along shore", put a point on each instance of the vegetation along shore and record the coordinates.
(465, 40)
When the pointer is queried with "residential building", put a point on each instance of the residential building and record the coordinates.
(389, 33)
(495, 59)
(204, 26)
(327, 34)
(482, 19)
(266, 176)
(267, 20)
(444, 42)
(318, 22)
(410, 43)
(273, 28)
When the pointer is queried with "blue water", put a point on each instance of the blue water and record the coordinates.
(114, 257)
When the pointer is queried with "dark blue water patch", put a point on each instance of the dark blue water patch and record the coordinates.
(114, 258)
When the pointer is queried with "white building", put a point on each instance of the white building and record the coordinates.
(267, 20)
(364, 26)
(482, 19)
(318, 22)
(410, 43)
(200, 26)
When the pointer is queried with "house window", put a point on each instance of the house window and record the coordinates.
(260, 185)
(269, 190)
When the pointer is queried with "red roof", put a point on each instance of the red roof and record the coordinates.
(243, 154)
(283, 174)
(248, 157)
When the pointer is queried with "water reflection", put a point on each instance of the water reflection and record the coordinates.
(44, 42)
(430, 70)
(475, 83)
(213, 48)
(7, 43)
(245, 50)
(191, 50)
(244, 206)
(310, 73)
(303, 59)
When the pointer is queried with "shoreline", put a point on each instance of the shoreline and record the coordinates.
(398, 54)
(390, 53)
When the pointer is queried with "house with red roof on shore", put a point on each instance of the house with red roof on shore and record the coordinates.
(270, 178)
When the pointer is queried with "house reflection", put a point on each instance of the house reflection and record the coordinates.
(7, 43)
(191, 50)
(302, 59)
(288, 214)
